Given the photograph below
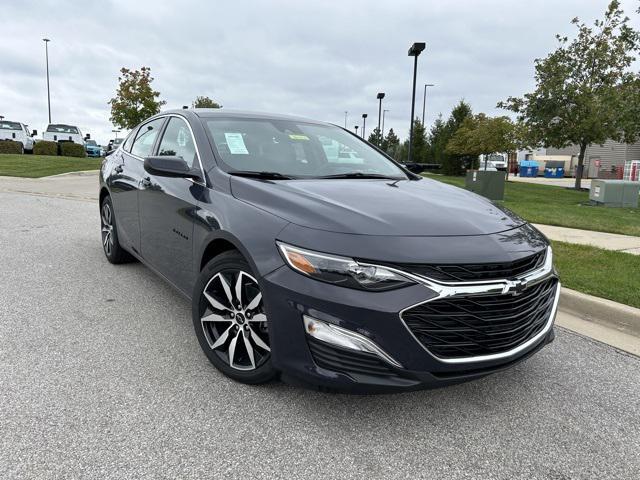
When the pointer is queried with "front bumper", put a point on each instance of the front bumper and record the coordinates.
(376, 315)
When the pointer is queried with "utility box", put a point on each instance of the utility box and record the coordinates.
(486, 183)
(615, 193)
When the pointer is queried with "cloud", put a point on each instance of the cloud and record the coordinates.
(316, 59)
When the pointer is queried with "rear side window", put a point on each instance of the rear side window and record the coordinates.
(146, 137)
(129, 141)
(177, 141)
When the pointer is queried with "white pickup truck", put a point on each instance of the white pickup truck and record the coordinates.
(58, 132)
(18, 132)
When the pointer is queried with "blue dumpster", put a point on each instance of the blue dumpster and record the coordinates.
(554, 172)
(528, 168)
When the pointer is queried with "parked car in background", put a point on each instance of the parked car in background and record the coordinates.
(92, 148)
(18, 132)
(357, 276)
(59, 132)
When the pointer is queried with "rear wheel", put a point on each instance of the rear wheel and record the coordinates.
(109, 233)
(230, 320)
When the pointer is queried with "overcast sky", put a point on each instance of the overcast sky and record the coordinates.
(315, 59)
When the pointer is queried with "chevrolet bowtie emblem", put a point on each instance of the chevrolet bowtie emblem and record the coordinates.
(514, 287)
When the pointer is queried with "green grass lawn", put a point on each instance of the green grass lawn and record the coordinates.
(602, 273)
(561, 206)
(35, 166)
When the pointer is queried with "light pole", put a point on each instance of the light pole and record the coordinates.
(424, 99)
(415, 51)
(46, 56)
(383, 114)
(356, 127)
(379, 97)
(364, 123)
(346, 114)
(116, 132)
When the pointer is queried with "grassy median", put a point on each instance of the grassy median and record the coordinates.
(561, 206)
(34, 166)
(602, 273)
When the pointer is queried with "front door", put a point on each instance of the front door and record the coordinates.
(167, 210)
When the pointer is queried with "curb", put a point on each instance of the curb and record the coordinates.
(599, 310)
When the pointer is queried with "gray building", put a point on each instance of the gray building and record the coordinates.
(601, 161)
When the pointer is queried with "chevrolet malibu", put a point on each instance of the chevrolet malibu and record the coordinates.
(310, 255)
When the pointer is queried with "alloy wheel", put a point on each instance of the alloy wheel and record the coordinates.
(234, 322)
(106, 218)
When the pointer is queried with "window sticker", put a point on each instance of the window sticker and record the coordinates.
(236, 145)
(298, 137)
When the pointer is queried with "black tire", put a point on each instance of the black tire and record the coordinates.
(235, 325)
(109, 234)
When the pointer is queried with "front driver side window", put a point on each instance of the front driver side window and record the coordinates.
(143, 144)
(178, 142)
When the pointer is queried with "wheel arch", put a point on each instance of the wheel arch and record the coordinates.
(221, 242)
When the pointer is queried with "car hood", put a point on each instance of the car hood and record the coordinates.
(377, 207)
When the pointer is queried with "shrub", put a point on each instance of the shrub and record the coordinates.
(70, 149)
(9, 146)
(44, 147)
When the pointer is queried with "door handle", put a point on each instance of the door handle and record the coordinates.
(118, 169)
(146, 182)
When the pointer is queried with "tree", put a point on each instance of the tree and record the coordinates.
(585, 92)
(441, 133)
(135, 100)
(483, 135)
(205, 102)
(391, 143)
(419, 146)
(375, 137)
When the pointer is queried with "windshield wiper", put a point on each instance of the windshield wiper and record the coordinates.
(361, 175)
(265, 175)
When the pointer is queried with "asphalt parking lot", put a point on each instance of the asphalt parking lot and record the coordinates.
(102, 377)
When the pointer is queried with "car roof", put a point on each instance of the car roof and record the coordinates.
(219, 112)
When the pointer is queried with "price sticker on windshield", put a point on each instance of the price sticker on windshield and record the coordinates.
(236, 145)
(298, 137)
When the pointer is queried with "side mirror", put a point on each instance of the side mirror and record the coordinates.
(34, 133)
(415, 167)
(170, 166)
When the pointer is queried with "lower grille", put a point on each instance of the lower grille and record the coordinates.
(347, 361)
(469, 326)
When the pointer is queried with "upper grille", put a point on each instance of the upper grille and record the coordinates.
(474, 272)
(469, 326)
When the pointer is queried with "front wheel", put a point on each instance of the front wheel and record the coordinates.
(230, 320)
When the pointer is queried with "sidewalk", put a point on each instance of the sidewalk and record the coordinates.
(556, 182)
(76, 185)
(606, 241)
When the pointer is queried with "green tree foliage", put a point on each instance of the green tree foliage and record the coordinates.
(439, 136)
(391, 143)
(483, 135)
(205, 102)
(135, 99)
(419, 146)
(585, 90)
(375, 137)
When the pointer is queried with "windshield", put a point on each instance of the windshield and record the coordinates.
(92, 143)
(118, 141)
(296, 149)
(4, 125)
(62, 129)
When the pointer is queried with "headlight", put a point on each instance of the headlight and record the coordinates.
(342, 271)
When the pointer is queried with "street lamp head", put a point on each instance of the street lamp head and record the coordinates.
(185, 107)
(364, 115)
(416, 49)
(46, 40)
(356, 127)
(380, 96)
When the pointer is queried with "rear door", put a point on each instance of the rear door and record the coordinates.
(128, 170)
(167, 209)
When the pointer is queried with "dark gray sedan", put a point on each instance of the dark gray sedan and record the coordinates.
(311, 256)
